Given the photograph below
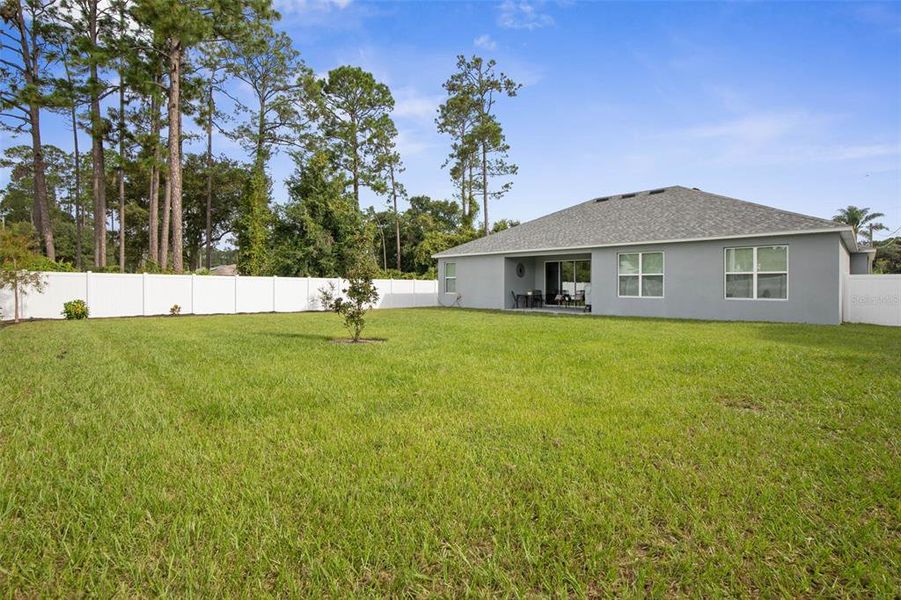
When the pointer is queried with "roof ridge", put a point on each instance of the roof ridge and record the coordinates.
(634, 193)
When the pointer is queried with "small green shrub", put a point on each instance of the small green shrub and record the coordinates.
(151, 266)
(175, 310)
(74, 310)
(42, 263)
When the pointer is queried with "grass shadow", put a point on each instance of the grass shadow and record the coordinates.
(360, 342)
(869, 340)
(321, 337)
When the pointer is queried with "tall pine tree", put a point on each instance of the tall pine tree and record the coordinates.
(26, 89)
(473, 91)
(354, 110)
(181, 25)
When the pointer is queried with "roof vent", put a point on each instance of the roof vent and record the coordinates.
(660, 191)
(632, 195)
(604, 199)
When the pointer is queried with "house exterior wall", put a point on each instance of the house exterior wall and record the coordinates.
(844, 271)
(480, 282)
(861, 263)
(694, 281)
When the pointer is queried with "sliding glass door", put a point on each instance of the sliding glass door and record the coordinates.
(566, 277)
(583, 274)
(551, 280)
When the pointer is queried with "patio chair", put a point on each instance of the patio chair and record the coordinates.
(579, 297)
(559, 299)
(538, 297)
(515, 299)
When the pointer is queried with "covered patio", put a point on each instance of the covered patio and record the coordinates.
(556, 310)
(549, 283)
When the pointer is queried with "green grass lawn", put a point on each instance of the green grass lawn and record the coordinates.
(472, 453)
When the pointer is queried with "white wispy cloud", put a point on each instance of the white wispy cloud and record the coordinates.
(298, 7)
(755, 129)
(412, 104)
(485, 42)
(523, 14)
(411, 143)
(417, 108)
(776, 138)
(838, 152)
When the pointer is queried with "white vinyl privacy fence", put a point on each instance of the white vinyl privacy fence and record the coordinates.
(126, 295)
(872, 299)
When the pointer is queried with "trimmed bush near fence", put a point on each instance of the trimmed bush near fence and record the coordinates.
(75, 310)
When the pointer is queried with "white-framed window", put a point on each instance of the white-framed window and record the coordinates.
(756, 273)
(450, 278)
(640, 274)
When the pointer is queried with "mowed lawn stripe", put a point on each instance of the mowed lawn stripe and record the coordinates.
(470, 453)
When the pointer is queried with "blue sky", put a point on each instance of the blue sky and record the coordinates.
(794, 105)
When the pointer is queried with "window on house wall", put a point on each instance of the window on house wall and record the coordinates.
(450, 278)
(757, 273)
(640, 274)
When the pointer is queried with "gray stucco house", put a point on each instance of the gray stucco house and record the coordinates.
(669, 252)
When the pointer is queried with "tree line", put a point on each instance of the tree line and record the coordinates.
(126, 74)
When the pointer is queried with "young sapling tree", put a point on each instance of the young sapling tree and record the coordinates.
(16, 256)
(360, 293)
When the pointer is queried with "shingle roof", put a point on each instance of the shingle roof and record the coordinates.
(667, 214)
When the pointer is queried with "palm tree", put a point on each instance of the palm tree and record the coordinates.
(860, 220)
